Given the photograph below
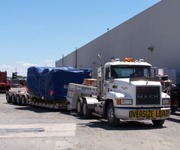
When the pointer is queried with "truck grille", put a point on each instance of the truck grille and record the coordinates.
(147, 95)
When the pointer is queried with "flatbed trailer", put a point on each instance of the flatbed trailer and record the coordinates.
(24, 98)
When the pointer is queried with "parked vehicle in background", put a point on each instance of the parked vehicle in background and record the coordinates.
(169, 87)
(4, 84)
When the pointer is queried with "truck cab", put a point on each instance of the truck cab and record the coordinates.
(130, 93)
(122, 90)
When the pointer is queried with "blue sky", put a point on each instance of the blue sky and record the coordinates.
(39, 32)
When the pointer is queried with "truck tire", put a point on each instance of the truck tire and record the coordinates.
(158, 123)
(79, 108)
(173, 109)
(8, 98)
(112, 120)
(23, 100)
(14, 99)
(18, 100)
(87, 113)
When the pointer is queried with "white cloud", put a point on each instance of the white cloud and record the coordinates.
(4, 67)
(21, 67)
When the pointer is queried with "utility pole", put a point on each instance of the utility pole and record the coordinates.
(76, 57)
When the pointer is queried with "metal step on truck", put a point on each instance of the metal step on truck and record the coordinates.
(123, 90)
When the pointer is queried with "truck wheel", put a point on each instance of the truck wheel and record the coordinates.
(8, 98)
(23, 100)
(79, 107)
(158, 123)
(18, 99)
(86, 111)
(112, 120)
(173, 109)
(14, 99)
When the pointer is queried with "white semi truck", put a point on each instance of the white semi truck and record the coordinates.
(123, 90)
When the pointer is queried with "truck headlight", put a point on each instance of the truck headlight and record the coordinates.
(124, 101)
(166, 101)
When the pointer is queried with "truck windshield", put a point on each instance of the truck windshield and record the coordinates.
(130, 71)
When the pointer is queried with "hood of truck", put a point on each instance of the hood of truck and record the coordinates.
(137, 81)
(142, 91)
(128, 86)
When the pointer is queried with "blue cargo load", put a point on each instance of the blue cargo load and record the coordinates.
(51, 82)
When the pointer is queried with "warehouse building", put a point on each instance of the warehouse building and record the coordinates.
(153, 35)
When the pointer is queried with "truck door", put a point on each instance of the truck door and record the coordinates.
(107, 79)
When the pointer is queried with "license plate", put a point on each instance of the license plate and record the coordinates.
(148, 114)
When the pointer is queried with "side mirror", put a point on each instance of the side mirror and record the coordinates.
(111, 80)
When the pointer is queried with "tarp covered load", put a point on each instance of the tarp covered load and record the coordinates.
(51, 83)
